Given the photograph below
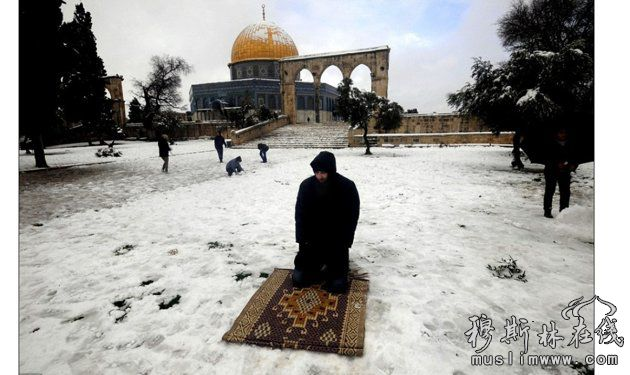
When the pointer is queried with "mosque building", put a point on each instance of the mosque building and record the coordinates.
(255, 78)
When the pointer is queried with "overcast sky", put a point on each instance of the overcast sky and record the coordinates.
(432, 41)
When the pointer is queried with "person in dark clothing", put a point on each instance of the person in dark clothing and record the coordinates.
(164, 150)
(219, 142)
(326, 216)
(233, 166)
(558, 168)
(263, 151)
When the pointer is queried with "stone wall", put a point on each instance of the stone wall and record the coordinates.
(440, 123)
(443, 128)
(256, 131)
(398, 139)
(187, 130)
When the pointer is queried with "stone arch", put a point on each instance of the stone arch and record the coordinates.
(305, 77)
(113, 84)
(376, 59)
(359, 72)
(329, 73)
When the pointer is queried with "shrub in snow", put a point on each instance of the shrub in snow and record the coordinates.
(123, 249)
(167, 305)
(242, 275)
(217, 244)
(108, 151)
(507, 269)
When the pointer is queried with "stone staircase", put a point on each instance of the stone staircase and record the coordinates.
(322, 136)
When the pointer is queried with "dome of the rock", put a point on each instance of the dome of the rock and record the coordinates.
(262, 41)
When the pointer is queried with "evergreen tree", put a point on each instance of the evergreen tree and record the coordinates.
(548, 80)
(135, 110)
(39, 24)
(264, 113)
(82, 86)
(359, 107)
(167, 122)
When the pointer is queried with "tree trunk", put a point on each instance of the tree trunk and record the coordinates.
(365, 140)
(38, 149)
(516, 150)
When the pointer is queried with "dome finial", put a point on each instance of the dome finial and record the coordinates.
(263, 6)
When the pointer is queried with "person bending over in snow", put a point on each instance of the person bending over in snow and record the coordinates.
(234, 165)
(326, 215)
(263, 151)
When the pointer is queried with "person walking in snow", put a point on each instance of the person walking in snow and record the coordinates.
(326, 216)
(263, 151)
(234, 166)
(219, 142)
(558, 167)
(164, 150)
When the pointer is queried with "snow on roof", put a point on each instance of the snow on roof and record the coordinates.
(327, 54)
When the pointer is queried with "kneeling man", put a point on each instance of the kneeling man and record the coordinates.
(326, 215)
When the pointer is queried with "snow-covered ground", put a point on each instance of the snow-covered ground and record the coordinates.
(432, 219)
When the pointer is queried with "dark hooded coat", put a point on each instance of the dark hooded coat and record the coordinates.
(234, 165)
(326, 213)
(164, 147)
(263, 147)
(559, 156)
(219, 141)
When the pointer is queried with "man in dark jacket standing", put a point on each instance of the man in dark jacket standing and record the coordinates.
(558, 167)
(164, 149)
(326, 215)
(219, 142)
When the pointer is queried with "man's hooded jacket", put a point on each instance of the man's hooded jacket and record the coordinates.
(326, 213)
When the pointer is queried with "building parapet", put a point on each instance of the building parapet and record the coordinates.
(328, 54)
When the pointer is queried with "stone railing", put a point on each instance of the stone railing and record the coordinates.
(256, 131)
(408, 139)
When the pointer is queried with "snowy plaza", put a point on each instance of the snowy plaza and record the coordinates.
(124, 269)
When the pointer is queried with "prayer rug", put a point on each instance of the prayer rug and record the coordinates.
(281, 316)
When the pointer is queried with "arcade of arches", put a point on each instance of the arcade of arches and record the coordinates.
(376, 59)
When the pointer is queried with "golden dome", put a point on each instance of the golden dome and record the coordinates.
(262, 41)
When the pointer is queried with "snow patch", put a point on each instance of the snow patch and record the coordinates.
(529, 96)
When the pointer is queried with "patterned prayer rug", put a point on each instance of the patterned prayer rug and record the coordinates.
(281, 316)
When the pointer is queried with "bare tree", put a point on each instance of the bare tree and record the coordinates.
(160, 90)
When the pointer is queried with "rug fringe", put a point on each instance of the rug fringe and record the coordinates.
(358, 273)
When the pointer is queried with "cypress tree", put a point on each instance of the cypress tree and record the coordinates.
(82, 86)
